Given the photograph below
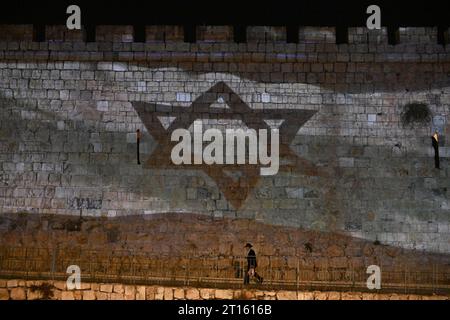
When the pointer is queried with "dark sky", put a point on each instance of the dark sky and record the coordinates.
(222, 12)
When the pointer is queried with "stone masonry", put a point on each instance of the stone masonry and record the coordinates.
(68, 127)
(57, 290)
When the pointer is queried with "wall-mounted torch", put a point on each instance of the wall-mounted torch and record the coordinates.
(138, 141)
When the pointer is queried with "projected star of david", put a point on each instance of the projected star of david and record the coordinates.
(234, 181)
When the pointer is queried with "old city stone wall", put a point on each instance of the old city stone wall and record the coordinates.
(68, 123)
(36, 290)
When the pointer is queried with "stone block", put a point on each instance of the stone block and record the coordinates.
(78, 294)
(57, 295)
(18, 293)
(85, 286)
(351, 296)
(333, 295)
(140, 293)
(178, 294)
(116, 296)
(106, 288)
(89, 295)
(159, 293)
(130, 292)
(101, 295)
(320, 295)
(192, 294)
(335, 251)
(168, 293)
(248, 295)
(346, 162)
(294, 193)
(12, 283)
(305, 296)
(207, 293)
(369, 296)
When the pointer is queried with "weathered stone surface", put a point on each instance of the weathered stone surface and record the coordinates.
(223, 294)
(118, 288)
(34, 294)
(150, 293)
(159, 293)
(18, 294)
(286, 295)
(101, 295)
(334, 295)
(106, 288)
(351, 296)
(4, 294)
(293, 238)
(168, 293)
(368, 296)
(78, 294)
(130, 293)
(89, 295)
(265, 293)
(339, 262)
(85, 286)
(116, 296)
(192, 294)
(67, 295)
(57, 295)
(60, 285)
(207, 293)
(305, 296)
(248, 295)
(335, 251)
(178, 294)
(95, 286)
(360, 169)
(438, 297)
(320, 295)
(140, 293)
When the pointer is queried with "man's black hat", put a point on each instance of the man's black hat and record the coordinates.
(248, 245)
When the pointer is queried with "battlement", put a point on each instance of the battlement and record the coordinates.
(222, 34)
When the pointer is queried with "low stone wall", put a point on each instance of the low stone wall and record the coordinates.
(69, 115)
(57, 290)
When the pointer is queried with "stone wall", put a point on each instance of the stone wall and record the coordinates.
(34, 290)
(68, 123)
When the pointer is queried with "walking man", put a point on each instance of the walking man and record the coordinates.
(251, 265)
